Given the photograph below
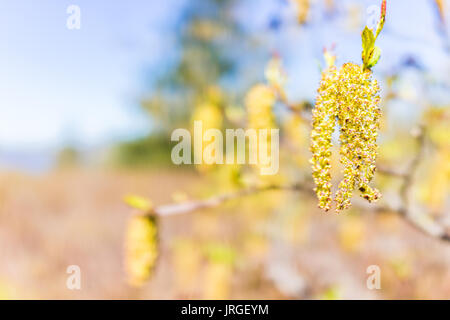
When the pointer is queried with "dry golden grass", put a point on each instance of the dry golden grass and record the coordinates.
(77, 217)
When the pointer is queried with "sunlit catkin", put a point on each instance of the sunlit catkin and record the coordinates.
(324, 119)
(359, 119)
(141, 248)
(349, 95)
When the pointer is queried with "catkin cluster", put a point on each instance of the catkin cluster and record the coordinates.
(348, 96)
(141, 248)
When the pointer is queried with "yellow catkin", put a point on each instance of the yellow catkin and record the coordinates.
(210, 114)
(359, 119)
(259, 103)
(324, 120)
(349, 95)
(141, 248)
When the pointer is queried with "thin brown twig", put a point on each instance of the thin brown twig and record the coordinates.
(194, 205)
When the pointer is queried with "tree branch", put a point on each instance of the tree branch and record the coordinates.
(424, 224)
(190, 206)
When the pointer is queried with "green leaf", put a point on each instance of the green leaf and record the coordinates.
(368, 43)
(138, 202)
(370, 53)
(374, 57)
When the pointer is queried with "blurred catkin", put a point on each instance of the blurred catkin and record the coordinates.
(259, 102)
(210, 115)
(141, 248)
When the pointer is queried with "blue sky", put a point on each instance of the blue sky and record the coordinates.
(83, 86)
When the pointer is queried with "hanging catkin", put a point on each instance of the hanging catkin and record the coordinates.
(350, 96)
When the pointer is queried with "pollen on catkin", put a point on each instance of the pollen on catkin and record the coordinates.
(324, 119)
(141, 248)
(349, 95)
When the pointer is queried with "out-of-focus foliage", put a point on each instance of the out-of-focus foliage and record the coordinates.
(68, 157)
(272, 224)
(141, 248)
(190, 87)
(149, 151)
(436, 185)
(208, 29)
(273, 245)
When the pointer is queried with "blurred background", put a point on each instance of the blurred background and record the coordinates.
(86, 118)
